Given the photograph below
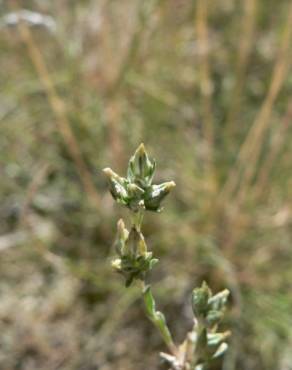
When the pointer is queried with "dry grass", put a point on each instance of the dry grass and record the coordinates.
(207, 86)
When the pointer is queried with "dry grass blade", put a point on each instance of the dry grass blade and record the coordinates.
(33, 187)
(251, 148)
(244, 50)
(204, 73)
(278, 141)
(58, 108)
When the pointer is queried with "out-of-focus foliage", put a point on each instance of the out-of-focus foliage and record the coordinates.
(207, 86)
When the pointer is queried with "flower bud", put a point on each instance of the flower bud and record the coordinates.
(200, 299)
(156, 194)
(117, 186)
(141, 168)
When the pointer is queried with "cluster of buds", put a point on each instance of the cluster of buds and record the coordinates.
(208, 310)
(133, 261)
(203, 344)
(136, 191)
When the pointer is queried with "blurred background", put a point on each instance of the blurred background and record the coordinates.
(206, 86)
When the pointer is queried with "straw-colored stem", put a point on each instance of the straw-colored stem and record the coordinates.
(244, 49)
(242, 174)
(205, 83)
(269, 161)
(255, 144)
(251, 148)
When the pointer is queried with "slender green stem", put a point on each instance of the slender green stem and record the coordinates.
(157, 318)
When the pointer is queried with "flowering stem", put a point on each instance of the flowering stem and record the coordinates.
(156, 317)
(134, 261)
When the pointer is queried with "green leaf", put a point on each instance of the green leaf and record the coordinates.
(161, 323)
(156, 317)
(218, 301)
(149, 302)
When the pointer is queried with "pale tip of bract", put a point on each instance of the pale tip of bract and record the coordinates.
(226, 293)
(116, 264)
(170, 185)
(109, 172)
(141, 204)
(141, 149)
(121, 224)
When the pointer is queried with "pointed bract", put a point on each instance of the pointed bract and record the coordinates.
(122, 237)
(141, 168)
(117, 186)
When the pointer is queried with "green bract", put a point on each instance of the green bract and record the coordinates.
(141, 168)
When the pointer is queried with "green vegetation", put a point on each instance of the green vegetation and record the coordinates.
(207, 86)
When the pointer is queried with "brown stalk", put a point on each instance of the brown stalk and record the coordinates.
(35, 184)
(205, 83)
(244, 49)
(113, 106)
(278, 141)
(254, 147)
(251, 148)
